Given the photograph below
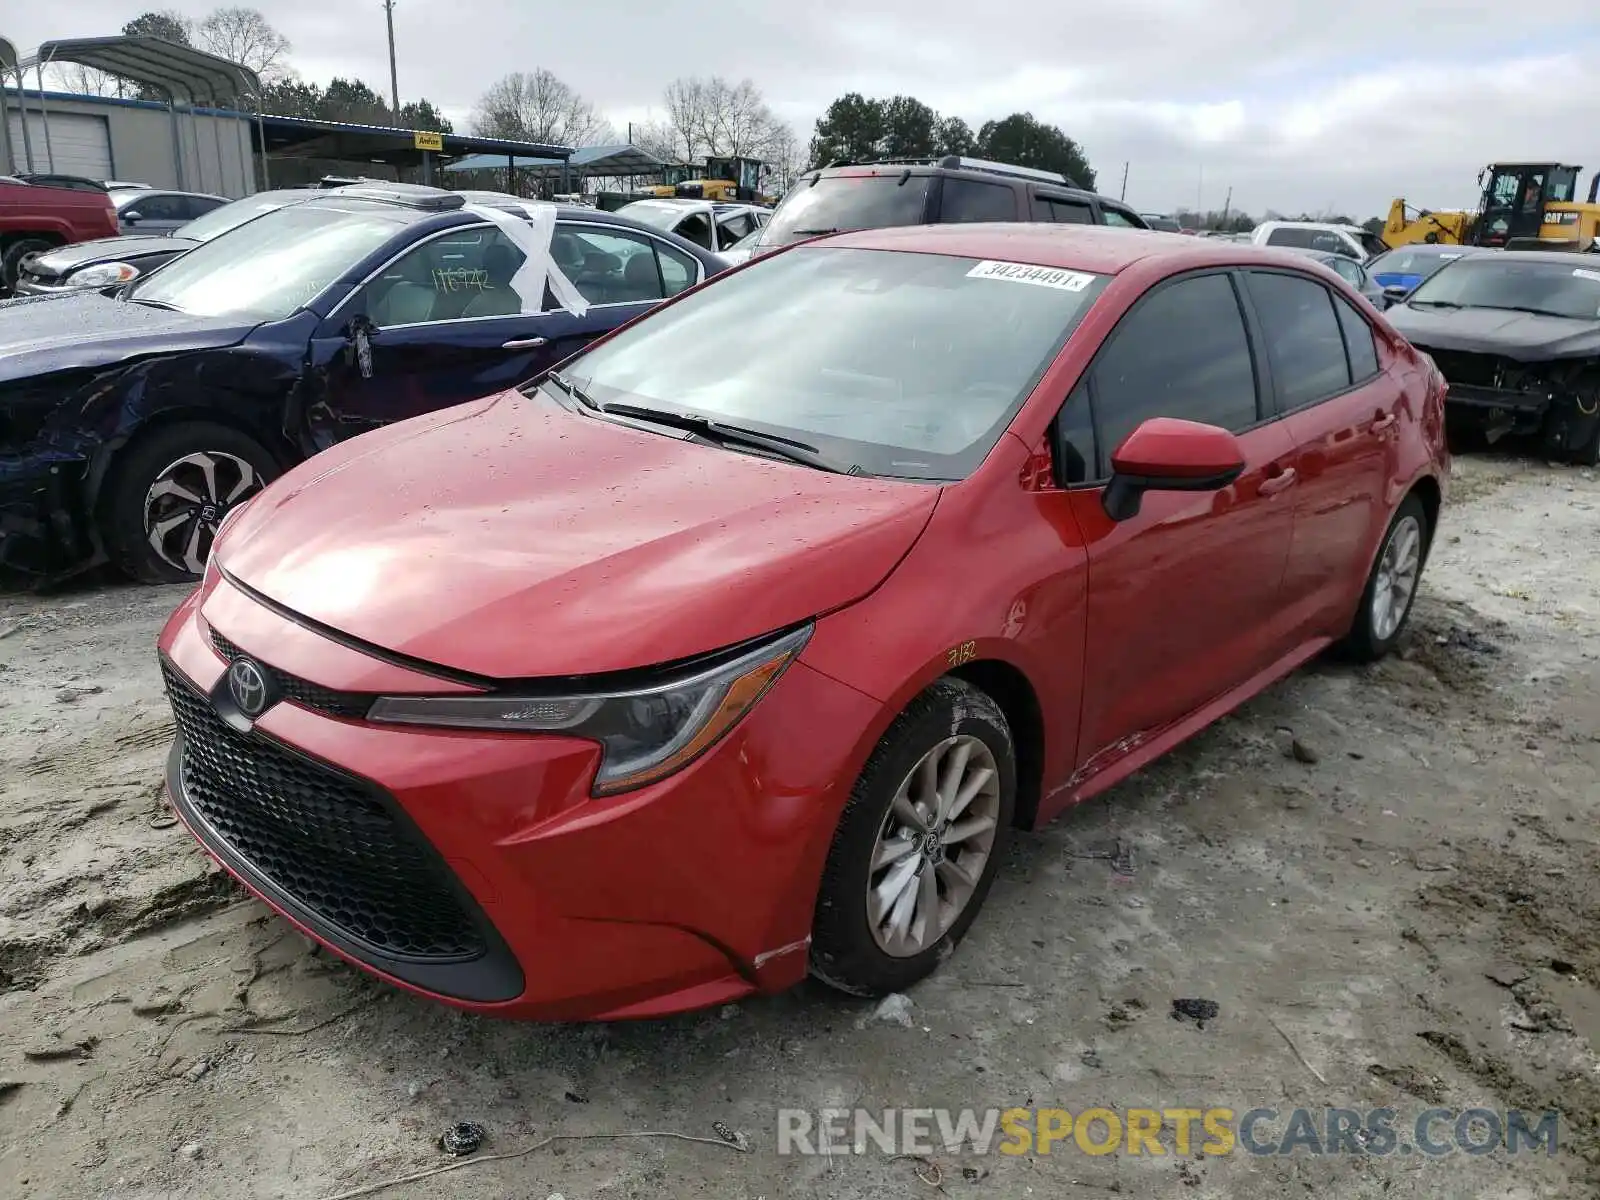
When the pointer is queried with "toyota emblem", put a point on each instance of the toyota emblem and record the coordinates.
(248, 687)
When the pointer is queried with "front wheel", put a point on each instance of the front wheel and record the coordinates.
(169, 491)
(1392, 585)
(11, 259)
(918, 845)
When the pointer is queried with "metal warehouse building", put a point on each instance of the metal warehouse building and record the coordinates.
(108, 138)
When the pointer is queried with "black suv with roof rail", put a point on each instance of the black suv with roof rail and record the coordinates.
(930, 191)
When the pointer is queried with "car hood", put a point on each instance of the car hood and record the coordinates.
(512, 538)
(1528, 337)
(58, 262)
(43, 334)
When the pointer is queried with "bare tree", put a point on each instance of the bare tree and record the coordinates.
(244, 35)
(84, 81)
(539, 107)
(715, 117)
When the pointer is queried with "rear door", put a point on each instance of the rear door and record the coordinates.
(1340, 406)
(1184, 597)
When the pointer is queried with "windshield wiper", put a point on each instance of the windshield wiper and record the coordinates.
(813, 232)
(573, 390)
(1434, 303)
(162, 304)
(717, 431)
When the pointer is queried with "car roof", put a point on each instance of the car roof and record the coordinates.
(1437, 248)
(1100, 249)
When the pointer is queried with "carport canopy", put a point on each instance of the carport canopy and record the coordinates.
(611, 161)
(305, 137)
(183, 72)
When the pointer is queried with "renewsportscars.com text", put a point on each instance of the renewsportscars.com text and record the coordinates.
(1432, 1132)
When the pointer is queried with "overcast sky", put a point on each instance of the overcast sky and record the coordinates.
(1293, 105)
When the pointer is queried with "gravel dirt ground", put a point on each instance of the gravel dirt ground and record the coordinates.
(1384, 877)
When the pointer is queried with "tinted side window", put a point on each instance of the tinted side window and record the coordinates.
(1358, 340)
(968, 200)
(1069, 212)
(1181, 353)
(610, 266)
(1113, 217)
(1302, 336)
(199, 206)
(1305, 238)
(696, 228)
(1075, 437)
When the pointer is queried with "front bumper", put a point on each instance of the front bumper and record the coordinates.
(474, 867)
(42, 531)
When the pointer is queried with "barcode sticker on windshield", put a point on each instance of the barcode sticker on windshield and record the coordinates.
(1050, 277)
(1582, 274)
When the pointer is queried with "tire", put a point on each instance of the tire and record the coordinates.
(11, 259)
(1587, 452)
(848, 951)
(129, 514)
(1370, 638)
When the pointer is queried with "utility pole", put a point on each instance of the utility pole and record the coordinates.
(1123, 195)
(1200, 187)
(394, 76)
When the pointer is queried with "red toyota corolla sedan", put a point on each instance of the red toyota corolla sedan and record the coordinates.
(738, 646)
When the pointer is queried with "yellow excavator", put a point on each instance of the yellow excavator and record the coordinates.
(1523, 206)
(733, 178)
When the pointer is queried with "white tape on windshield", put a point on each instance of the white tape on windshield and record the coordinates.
(533, 236)
(1582, 274)
(1050, 277)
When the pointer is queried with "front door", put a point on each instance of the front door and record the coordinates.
(440, 325)
(1341, 410)
(1182, 598)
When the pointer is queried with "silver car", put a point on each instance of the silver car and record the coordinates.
(147, 210)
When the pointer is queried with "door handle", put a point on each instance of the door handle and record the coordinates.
(1383, 421)
(1274, 484)
(524, 343)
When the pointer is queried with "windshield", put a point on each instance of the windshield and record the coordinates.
(906, 365)
(231, 216)
(1508, 282)
(848, 202)
(1412, 263)
(657, 216)
(269, 268)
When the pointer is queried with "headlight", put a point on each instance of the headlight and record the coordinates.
(646, 733)
(103, 275)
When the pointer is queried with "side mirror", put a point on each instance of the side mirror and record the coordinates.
(1168, 455)
(1394, 295)
(132, 217)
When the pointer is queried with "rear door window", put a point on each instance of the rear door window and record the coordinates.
(1303, 338)
(696, 227)
(967, 200)
(1113, 217)
(1359, 341)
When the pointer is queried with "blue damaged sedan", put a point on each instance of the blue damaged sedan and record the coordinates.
(131, 424)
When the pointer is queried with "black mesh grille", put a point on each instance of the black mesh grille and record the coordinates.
(326, 841)
(1470, 370)
(301, 691)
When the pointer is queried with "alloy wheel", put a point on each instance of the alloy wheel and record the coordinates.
(1396, 581)
(933, 846)
(187, 502)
